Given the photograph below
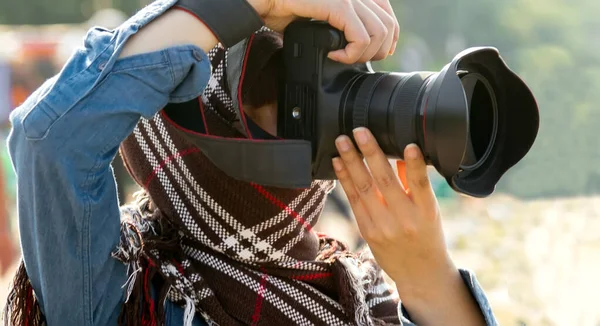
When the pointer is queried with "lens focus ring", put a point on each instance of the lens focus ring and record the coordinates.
(365, 92)
(405, 111)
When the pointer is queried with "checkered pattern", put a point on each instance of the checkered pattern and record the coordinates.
(235, 252)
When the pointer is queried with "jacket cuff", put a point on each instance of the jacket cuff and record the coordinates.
(479, 296)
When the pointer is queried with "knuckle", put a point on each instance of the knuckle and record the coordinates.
(387, 235)
(379, 33)
(389, 21)
(432, 217)
(380, 55)
(365, 187)
(386, 180)
(422, 182)
(370, 235)
(383, 30)
(365, 58)
(363, 41)
(344, 178)
(391, 31)
(409, 232)
(353, 199)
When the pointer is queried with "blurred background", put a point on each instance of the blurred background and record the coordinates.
(534, 244)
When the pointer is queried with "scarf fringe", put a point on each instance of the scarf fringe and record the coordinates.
(353, 279)
(190, 312)
(141, 307)
(142, 230)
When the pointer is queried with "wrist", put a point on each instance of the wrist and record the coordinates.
(445, 298)
(429, 284)
(430, 289)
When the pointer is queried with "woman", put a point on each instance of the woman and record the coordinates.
(200, 247)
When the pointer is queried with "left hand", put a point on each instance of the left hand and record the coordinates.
(401, 224)
(370, 26)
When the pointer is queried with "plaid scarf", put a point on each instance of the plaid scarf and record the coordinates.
(236, 253)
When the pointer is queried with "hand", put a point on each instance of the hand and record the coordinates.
(370, 26)
(402, 225)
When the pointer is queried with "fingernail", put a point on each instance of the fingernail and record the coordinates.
(412, 152)
(337, 164)
(343, 143)
(361, 135)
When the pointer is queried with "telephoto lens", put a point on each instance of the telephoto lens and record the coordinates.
(473, 120)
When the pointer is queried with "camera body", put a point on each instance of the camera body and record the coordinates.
(311, 87)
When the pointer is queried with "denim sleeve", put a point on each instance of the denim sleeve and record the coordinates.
(63, 140)
(477, 293)
(479, 296)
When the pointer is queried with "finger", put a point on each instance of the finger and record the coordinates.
(375, 27)
(387, 6)
(417, 177)
(361, 215)
(340, 14)
(355, 32)
(364, 183)
(385, 179)
(389, 22)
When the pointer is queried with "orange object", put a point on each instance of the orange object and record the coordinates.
(401, 166)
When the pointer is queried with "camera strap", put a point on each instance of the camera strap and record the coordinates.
(280, 163)
(263, 160)
(230, 20)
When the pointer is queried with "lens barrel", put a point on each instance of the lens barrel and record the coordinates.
(460, 117)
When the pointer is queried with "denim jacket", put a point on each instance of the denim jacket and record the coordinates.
(63, 141)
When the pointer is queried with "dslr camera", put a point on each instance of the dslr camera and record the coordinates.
(473, 120)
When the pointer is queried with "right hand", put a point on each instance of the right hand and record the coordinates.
(370, 26)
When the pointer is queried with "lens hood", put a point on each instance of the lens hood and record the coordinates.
(477, 106)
